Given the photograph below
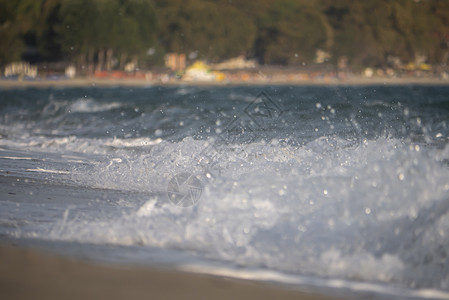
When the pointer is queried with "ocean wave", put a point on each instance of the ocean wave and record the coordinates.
(375, 211)
(87, 105)
(337, 184)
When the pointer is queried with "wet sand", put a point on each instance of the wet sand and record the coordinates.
(31, 274)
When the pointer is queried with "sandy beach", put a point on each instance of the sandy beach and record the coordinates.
(92, 82)
(31, 274)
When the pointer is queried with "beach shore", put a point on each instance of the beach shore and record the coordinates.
(134, 82)
(31, 274)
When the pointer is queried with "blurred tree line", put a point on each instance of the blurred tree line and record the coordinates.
(107, 34)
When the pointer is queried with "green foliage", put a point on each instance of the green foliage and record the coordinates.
(46, 31)
(370, 31)
(89, 28)
(97, 33)
(213, 31)
(16, 17)
(291, 32)
(79, 30)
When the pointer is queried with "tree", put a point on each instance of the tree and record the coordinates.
(213, 31)
(11, 46)
(46, 32)
(440, 11)
(136, 29)
(291, 32)
(17, 23)
(79, 30)
(93, 30)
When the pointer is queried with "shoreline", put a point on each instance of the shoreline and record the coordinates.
(95, 82)
(27, 273)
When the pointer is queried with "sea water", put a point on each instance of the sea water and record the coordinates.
(342, 187)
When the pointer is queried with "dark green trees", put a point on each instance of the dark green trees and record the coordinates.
(290, 33)
(93, 31)
(17, 25)
(370, 31)
(204, 29)
(11, 45)
(107, 34)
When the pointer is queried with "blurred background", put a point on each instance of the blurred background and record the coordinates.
(104, 35)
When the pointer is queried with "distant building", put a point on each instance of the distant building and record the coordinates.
(175, 61)
(70, 71)
(199, 71)
(21, 69)
(321, 56)
(235, 63)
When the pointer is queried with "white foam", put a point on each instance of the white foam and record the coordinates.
(73, 143)
(350, 191)
(87, 105)
(327, 209)
(131, 142)
(40, 170)
(16, 158)
(313, 282)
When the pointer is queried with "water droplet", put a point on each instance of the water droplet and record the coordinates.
(302, 228)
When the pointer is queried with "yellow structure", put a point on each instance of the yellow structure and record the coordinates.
(200, 71)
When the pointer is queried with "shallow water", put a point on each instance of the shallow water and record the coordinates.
(327, 184)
